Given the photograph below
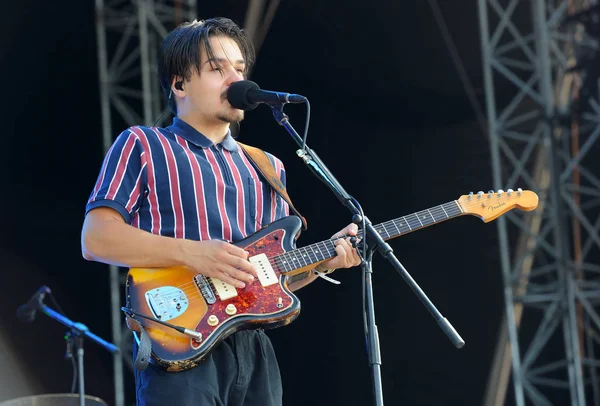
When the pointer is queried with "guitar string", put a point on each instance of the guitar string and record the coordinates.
(449, 210)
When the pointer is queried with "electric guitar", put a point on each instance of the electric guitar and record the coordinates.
(187, 314)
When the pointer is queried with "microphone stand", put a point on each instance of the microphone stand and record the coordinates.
(314, 163)
(75, 336)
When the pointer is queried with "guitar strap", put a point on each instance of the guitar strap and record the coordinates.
(262, 162)
(145, 345)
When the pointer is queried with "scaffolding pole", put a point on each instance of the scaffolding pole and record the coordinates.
(551, 285)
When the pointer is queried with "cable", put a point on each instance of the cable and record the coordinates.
(306, 124)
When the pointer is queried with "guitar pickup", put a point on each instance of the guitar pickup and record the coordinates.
(224, 289)
(264, 270)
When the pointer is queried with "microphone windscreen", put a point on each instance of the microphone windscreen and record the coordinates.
(237, 95)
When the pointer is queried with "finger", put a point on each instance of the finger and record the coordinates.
(236, 251)
(351, 257)
(342, 249)
(350, 229)
(242, 264)
(355, 257)
(237, 273)
(228, 279)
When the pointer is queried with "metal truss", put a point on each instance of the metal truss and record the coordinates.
(128, 35)
(543, 137)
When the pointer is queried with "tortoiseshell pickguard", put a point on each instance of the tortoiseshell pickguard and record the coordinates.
(256, 301)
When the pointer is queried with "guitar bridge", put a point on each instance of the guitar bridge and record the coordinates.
(204, 287)
(167, 302)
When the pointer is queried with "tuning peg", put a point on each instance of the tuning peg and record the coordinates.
(479, 194)
(490, 193)
(510, 191)
(519, 191)
(470, 196)
(500, 191)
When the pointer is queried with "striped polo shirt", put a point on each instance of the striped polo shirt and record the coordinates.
(175, 182)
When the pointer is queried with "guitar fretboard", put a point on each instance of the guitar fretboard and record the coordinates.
(311, 254)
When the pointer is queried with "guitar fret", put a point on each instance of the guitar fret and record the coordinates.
(302, 256)
(384, 229)
(439, 214)
(436, 214)
(433, 218)
(402, 226)
(280, 264)
(442, 206)
(318, 252)
(295, 258)
(419, 220)
(415, 225)
(456, 207)
(453, 208)
(316, 257)
(309, 260)
(407, 223)
(396, 225)
(328, 253)
(416, 215)
(287, 259)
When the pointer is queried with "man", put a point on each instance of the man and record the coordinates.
(171, 196)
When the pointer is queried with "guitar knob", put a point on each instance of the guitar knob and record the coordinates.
(230, 309)
(212, 320)
(279, 302)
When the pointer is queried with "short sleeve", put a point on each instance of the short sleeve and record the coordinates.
(121, 182)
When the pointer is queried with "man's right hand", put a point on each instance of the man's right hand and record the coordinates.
(107, 238)
(219, 259)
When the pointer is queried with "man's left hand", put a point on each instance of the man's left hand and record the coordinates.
(346, 257)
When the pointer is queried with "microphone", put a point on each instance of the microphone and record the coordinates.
(247, 95)
(26, 312)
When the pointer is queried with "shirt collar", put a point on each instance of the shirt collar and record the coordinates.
(192, 135)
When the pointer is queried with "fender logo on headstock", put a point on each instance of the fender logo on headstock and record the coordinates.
(500, 204)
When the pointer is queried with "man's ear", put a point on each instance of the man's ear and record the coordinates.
(177, 86)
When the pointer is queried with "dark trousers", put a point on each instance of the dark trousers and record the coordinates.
(240, 371)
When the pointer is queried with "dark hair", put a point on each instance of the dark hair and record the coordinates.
(180, 50)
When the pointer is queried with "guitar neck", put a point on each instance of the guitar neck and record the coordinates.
(312, 254)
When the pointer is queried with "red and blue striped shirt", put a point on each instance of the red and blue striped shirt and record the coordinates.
(175, 182)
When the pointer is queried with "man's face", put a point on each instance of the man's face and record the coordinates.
(205, 92)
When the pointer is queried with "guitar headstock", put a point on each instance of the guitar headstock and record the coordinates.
(491, 205)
